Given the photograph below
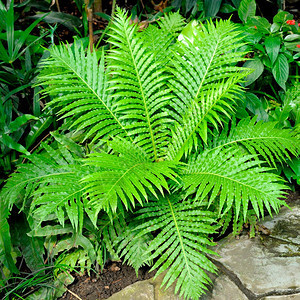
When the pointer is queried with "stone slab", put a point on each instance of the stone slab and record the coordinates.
(284, 297)
(286, 225)
(224, 288)
(266, 263)
(142, 290)
(161, 293)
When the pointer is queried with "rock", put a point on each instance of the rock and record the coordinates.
(224, 288)
(284, 297)
(161, 293)
(260, 265)
(266, 264)
(285, 226)
(142, 290)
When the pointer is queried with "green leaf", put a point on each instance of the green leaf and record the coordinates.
(55, 290)
(274, 27)
(71, 22)
(49, 230)
(189, 5)
(292, 37)
(272, 45)
(294, 170)
(236, 3)
(10, 143)
(37, 128)
(19, 121)
(282, 16)
(257, 107)
(227, 8)
(32, 247)
(5, 239)
(246, 10)
(262, 24)
(103, 15)
(280, 70)
(211, 8)
(257, 66)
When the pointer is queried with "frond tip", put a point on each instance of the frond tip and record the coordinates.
(259, 138)
(181, 246)
(234, 180)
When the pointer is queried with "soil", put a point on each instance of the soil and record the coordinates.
(114, 277)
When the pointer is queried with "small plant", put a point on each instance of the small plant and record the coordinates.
(161, 163)
(276, 49)
(20, 106)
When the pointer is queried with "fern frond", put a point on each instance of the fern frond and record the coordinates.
(128, 177)
(172, 23)
(210, 58)
(205, 82)
(211, 109)
(140, 86)
(159, 43)
(77, 82)
(232, 178)
(134, 249)
(110, 229)
(121, 241)
(292, 101)
(292, 95)
(159, 40)
(181, 245)
(259, 138)
(51, 181)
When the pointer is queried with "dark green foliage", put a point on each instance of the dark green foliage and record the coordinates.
(21, 120)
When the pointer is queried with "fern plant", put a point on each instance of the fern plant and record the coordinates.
(165, 163)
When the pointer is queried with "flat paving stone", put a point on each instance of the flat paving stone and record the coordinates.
(161, 293)
(284, 297)
(224, 288)
(141, 290)
(267, 263)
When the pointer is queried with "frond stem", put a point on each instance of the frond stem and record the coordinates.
(143, 96)
(244, 140)
(179, 235)
(231, 179)
(197, 125)
(206, 71)
(113, 186)
(97, 96)
(43, 176)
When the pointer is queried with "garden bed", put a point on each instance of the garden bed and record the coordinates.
(114, 277)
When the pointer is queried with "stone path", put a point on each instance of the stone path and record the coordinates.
(266, 267)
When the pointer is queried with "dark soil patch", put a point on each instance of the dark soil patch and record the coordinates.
(113, 278)
(292, 196)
